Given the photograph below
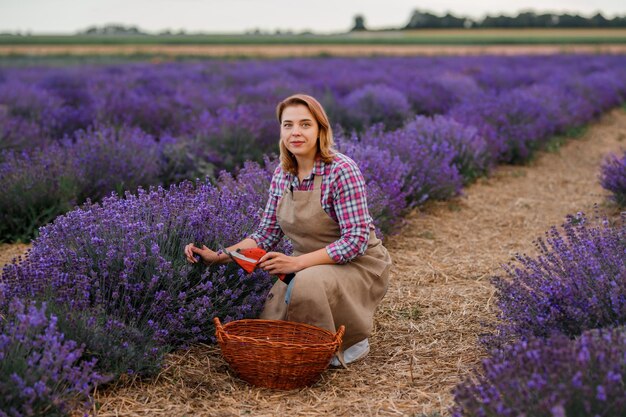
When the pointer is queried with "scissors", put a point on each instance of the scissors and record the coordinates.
(248, 260)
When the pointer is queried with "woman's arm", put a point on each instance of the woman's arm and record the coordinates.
(279, 263)
(210, 257)
(349, 201)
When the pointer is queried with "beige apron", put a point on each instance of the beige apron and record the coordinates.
(330, 295)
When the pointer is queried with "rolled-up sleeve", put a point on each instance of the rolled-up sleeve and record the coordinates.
(350, 205)
(269, 233)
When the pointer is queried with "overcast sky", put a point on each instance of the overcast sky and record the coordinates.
(324, 16)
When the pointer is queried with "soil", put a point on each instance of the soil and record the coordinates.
(9, 251)
(426, 331)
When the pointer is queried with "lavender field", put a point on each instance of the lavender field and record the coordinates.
(158, 155)
(75, 133)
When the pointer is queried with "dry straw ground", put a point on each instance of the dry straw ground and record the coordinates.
(275, 51)
(426, 330)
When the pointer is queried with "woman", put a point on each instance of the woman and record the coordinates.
(317, 198)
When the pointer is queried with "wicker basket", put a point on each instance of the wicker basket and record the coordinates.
(275, 353)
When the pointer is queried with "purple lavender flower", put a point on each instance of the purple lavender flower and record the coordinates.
(26, 116)
(36, 188)
(375, 104)
(469, 149)
(124, 257)
(434, 93)
(384, 176)
(234, 136)
(577, 282)
(432, 173)
(41, 371)
(71, 87)
(39, 185)
(613, 177)
(553, 377)
(201, 117)
(112, 160)
(513, 122)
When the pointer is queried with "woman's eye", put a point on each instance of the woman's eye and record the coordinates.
(287, 125)
(306, 124)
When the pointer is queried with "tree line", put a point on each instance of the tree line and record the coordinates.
(426, 20)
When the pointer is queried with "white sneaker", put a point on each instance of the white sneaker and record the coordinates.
(353, 353)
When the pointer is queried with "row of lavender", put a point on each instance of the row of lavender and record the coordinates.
(69, 134)
(117, 293)
(560, 346)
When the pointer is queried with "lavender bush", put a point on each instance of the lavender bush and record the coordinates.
(375, 104)
(513, 123)
(566, 109)
(17, 133)
(576, 283)
(234, 136)
(179, 161)
(113, 161)
(26, 106)
(124, 258)
(41, 371)
(147, 99)
(470, 154)
(117, 347)
(436, 93)
(34, 189)
(613, 177)
(384, 176)
(77, 110)
(557, 377)
(432, 173)
(603, 89)
(38, 186)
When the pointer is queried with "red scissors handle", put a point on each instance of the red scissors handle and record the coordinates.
(248, 259)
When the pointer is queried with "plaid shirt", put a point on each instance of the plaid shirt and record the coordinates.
(343, 198)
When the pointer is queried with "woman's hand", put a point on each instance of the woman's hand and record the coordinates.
(206, 255)
(278, 263)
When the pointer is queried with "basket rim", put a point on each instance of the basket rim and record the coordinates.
(223, 335)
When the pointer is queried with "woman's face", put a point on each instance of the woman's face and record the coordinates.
(299, 131)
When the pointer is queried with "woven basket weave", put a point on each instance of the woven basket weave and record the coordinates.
(275, 353)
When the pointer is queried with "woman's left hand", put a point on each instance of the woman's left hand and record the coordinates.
(279, 263)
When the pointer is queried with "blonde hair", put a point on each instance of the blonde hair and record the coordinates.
(325, 140)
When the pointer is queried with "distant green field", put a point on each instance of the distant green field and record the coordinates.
(418, 37)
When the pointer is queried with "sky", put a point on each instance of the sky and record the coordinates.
(232, 16)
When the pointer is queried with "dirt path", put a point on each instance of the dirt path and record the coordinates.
(426, 330)
(8, 251)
